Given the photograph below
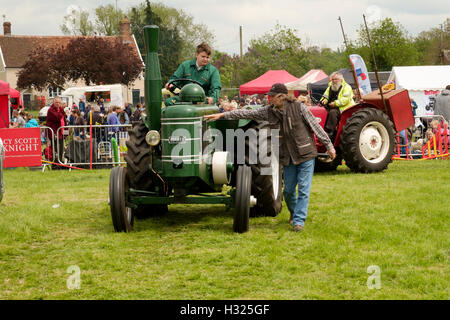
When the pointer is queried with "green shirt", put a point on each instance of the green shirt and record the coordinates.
(208, 76)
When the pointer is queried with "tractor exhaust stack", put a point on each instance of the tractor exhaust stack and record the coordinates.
(153, 83)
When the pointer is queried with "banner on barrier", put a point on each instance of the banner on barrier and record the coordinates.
(22, 147)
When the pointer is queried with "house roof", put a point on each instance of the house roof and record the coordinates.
(16, 49)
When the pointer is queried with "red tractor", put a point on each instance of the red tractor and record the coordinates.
(366, 132)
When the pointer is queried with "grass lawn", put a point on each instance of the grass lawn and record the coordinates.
(397, 220)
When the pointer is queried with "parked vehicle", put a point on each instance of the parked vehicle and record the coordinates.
(366, 132)
(113, 94)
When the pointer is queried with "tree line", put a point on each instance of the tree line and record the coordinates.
(279, 48)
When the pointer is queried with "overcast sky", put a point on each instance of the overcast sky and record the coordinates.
(316, 20)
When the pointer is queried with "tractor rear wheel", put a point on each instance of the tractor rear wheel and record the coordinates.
(242, 200)
(138, 165)
(267, 178)
(122, 216)
(368, 141)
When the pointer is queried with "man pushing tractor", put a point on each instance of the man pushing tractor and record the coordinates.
(176, 156)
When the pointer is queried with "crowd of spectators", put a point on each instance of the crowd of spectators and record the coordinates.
(101, 113)
(226, 104)
(22, 119)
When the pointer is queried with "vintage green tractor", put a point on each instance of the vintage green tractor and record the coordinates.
(175, 157)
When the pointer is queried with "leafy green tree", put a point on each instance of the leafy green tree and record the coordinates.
(77, 23)
(190, 33)
(278, 49)
(170, 41)
(229, 69)
(391, 43)
(429, 44)
(107, 20)
(325, 59)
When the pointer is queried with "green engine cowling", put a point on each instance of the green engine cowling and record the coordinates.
(180, 160)
(184, 161)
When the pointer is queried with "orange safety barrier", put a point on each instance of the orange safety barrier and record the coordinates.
(440, 144)
(436, 147)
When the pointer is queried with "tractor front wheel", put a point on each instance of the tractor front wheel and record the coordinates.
(138, 165)
(122, 216)
(368, 141)
(242, 200)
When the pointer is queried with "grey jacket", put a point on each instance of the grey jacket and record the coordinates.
(295, 123)
(442, 106)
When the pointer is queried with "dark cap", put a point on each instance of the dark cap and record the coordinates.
(277, 88)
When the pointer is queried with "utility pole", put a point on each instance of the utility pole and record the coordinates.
(117, 18)
(353, 71)
(375, 66)
(441, 46)
(240, 39)
(343, 34)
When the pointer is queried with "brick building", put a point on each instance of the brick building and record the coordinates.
(15, 49)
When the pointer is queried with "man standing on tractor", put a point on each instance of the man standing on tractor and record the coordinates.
(337, 98)
(201, 70)
(297, 148)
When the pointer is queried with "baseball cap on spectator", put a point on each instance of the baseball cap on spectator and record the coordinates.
(277, 88)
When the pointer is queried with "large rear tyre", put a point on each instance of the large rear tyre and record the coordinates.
(138, 165)
(122, 216)
(242, 200)
(267, 177)
(368, 141)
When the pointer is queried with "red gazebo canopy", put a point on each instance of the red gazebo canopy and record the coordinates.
(4, 88)
(263, 83)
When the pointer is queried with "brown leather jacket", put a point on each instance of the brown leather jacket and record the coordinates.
(297, 125)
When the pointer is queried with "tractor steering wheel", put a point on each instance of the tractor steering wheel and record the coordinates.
(175, 86)
(317, 101)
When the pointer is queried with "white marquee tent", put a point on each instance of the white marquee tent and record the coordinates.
(311, 76)
(423, 84)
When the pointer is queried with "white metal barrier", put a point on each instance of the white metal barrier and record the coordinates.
(84, 145)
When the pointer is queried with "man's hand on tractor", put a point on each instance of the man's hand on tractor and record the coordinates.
(168, 86)
(332, 153)
(214, 117)
(210, 100)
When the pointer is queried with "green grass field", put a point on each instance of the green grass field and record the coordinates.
(397, 220)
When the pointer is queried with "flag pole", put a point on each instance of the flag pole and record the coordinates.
(375, 66)
(355, 78)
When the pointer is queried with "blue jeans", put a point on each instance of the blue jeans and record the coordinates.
(301, 175)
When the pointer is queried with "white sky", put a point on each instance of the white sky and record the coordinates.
(315, 20)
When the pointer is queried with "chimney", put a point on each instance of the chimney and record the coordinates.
(125, 27)
(7, 28)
